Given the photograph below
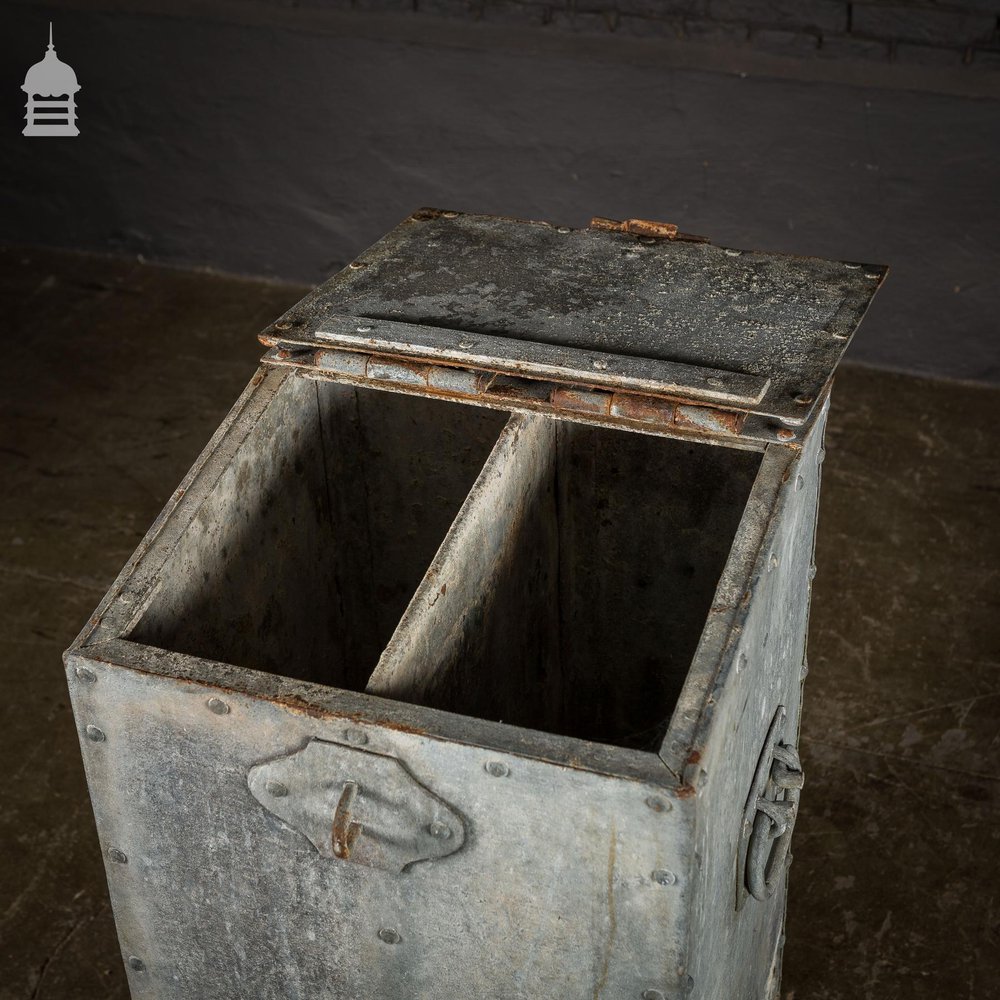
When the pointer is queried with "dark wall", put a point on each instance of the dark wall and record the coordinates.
(274, 140)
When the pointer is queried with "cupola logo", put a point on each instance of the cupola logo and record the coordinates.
(51, 88)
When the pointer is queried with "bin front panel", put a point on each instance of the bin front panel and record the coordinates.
(564, 883)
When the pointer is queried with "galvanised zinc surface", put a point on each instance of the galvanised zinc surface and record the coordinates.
(553, 894)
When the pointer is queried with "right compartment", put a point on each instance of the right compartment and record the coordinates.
(572, 590)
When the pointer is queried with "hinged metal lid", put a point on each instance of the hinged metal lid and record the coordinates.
(607, 324)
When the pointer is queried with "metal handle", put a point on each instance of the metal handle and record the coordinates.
(345, 831)
(777, 809)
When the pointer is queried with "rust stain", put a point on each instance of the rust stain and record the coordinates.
(602, 980)
(637, 227)
(297, 704)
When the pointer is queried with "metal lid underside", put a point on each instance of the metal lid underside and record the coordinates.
(745, 331)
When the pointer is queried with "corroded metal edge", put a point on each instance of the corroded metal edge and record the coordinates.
(691, 723)
(417, 342)
(656, 416)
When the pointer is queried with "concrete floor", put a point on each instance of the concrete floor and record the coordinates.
(116, 373)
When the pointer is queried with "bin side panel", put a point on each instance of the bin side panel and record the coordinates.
(735, 938)
(550, 894)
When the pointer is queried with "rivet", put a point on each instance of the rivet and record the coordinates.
(784, 434)
(821, 456)
(356, 265)
(497, 768)
(95, 734)
(840, 335)
(805, 669)
(136, 964)
(664, 877)
(282, 324)
(799, 483)
(773, 562)
(853, 267)
(652, 995)
(86, 674)
(118, 857)
(715, 383)
(364, 329)
(276, 789)
(804, 399)
(218, 706)
(439, 830)
(356, 736)
(388, 936)
(564, 229)
(812, 572)
(868, 274)
(741, 663)
(466, 344)
(449, 215)
(600, 365)
(733, 253)
(658, 805)
(687, 983)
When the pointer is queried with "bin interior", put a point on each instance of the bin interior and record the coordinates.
(581, 621)
(306, 552)
(586, 621)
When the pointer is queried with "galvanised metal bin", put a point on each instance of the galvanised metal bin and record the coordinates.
(403, 697)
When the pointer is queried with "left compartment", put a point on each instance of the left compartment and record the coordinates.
(311, 527)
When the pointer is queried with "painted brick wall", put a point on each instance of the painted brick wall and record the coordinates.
(962, 33)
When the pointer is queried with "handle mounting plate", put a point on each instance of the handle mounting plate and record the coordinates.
(357, 806)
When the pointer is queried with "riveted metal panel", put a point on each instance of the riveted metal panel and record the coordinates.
(552, 893)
